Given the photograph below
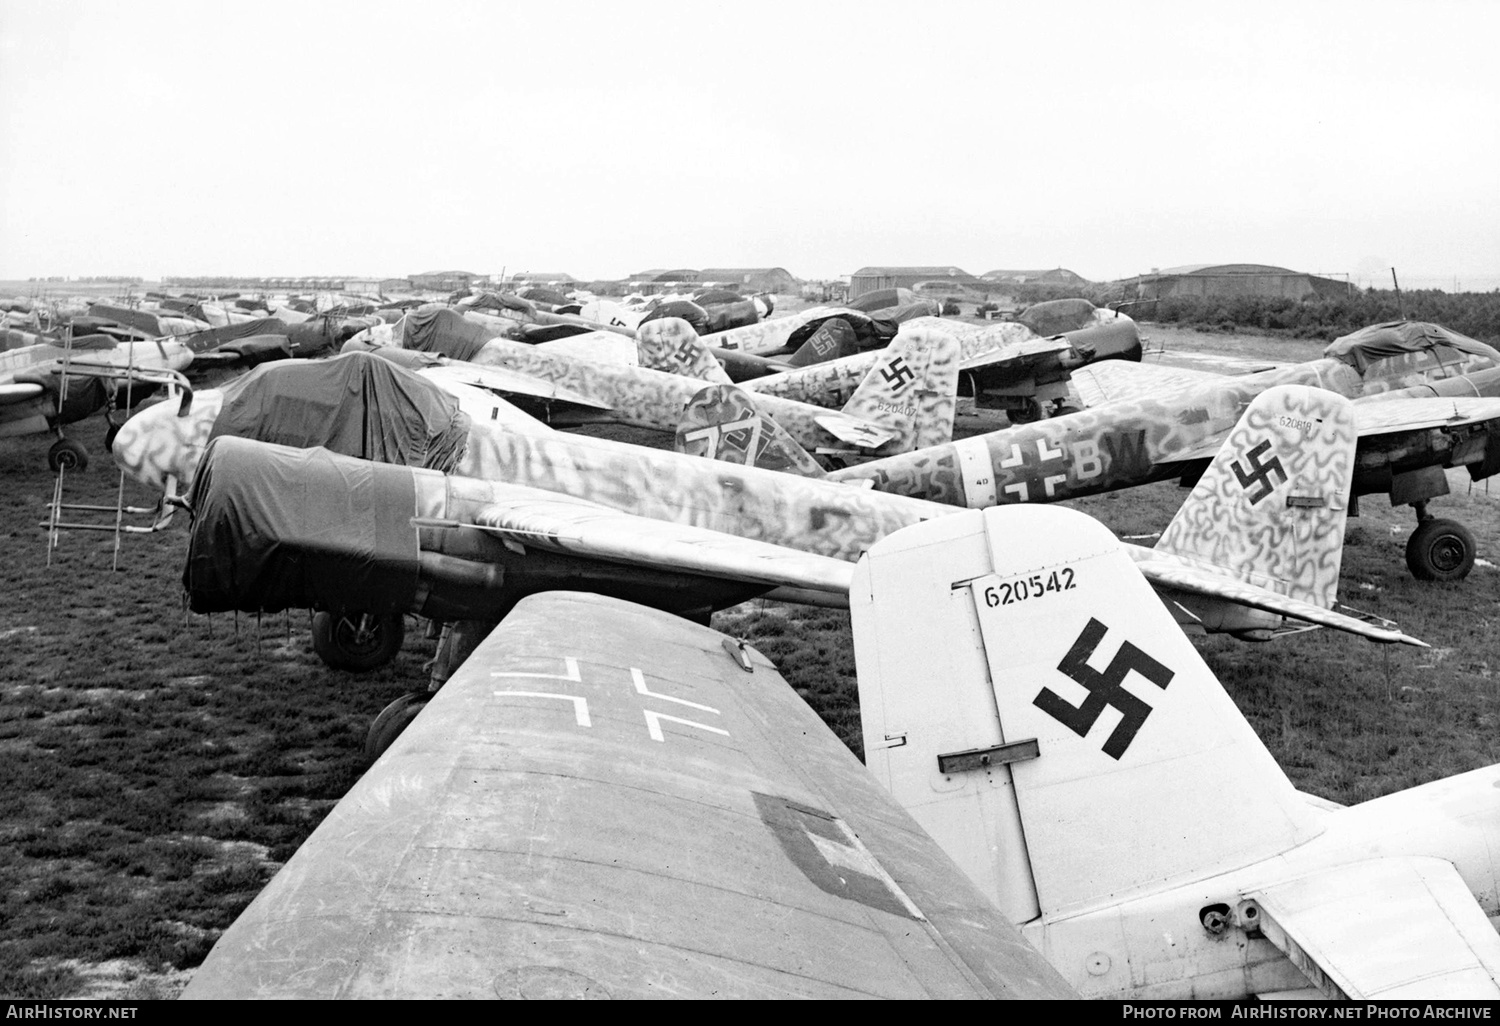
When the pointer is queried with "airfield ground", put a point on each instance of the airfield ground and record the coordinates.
(160, 766)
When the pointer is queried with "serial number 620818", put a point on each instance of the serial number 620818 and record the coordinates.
(1023, 588)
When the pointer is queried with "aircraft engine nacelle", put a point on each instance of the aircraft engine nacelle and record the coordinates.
(356, 537)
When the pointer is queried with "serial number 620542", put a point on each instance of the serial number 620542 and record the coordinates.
(1023, 588)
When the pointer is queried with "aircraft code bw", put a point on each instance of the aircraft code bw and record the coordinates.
(1035, 586)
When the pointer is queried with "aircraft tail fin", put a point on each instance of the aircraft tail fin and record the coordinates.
(834, 339)
(1272, 506)
(1032, 703)
(912, 390)
(670, 344)
(721, 422)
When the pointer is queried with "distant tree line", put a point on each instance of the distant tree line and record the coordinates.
(1476, 314)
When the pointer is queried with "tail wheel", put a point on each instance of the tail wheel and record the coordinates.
(1440, 550)
(357, 641)
(393, 719)
(67, 454)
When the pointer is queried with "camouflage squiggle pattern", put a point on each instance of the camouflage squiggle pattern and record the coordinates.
(670, 344)
(763, 337)
(1123, 443)
(653, 399)
(1271, 508)
(802, 513)
(912, 390)
(156, 444)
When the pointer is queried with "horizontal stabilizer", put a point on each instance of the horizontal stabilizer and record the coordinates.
(1337, 926)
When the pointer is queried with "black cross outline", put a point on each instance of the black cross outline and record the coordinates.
(1259, 473)
(1104, 689)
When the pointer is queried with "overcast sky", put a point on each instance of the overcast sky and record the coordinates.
(599, 139)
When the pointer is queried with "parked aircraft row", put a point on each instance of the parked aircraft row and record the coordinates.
(441, 498)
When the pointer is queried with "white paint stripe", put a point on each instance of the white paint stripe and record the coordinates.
(640, 687)
(653, 723)
(580, 705)
(569, 663)
(976, 472)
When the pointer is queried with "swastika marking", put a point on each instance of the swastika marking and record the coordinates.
(1104, 689)
(1259, 473)
(898, 374)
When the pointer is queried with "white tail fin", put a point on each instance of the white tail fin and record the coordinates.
(913, 389)
(1271, 508)
(670, 344)
(721, 423)
(1028, 698)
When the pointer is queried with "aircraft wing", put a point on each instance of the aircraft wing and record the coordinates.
(1015, 352)
(580, 528)
(1375, 416)
(1110, 381)
(19, 392)
(608, 801)
(1328, 924)
(1164, 570)
(853, 430)
(504, 381)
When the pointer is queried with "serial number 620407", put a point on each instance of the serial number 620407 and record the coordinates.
(1023, 588)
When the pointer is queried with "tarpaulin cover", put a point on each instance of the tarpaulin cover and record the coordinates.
(277, 528)
(690, 312)
(1057, 316)
(141, 320)
(723, 316)
(1393, 338)
(356, 404)
(502, 303)
(869, 332)
(880, 299)
(445, 332)
(213, 338)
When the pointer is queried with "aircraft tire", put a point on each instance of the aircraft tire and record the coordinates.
(67, 454)
(358, 642)
(1440, 550)
(393, 719)
(1029, 413)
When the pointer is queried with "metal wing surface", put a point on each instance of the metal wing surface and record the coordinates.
(608, 801)
(853, 430)
(1378, 417)
(508, 382)
(581, 528)
(1165, 570)
(1337, 925)
(1015, 352)
(1111, 381)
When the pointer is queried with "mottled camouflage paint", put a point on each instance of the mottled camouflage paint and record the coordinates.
(721, 423)
(670, 344)
(814, 516)
(832, 384)
(654, 399)
(156, 445)
(1123, 443)
(1270, 510)
(764, 337)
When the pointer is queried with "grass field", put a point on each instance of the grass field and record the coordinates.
(161, 766)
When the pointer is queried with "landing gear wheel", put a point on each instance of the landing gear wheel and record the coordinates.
(1029, 412)
(67, 454)
(1440, 550)
(393, 719)
(358, 641)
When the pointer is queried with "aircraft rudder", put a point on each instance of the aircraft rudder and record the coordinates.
(1272, 507)
(912, 389)
(1037, 699)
